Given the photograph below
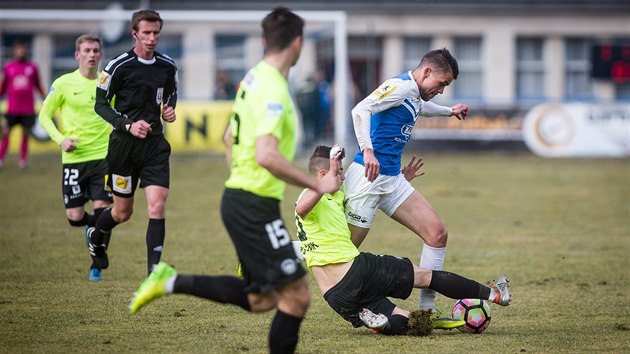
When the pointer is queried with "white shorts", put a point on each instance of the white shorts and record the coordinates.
(363, 197)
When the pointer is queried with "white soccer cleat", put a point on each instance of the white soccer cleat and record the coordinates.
(375, 322)
(502, 291)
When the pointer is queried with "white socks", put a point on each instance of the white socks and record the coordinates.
(431, 258)
(169, 285)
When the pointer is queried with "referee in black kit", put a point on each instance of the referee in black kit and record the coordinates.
(142, 84)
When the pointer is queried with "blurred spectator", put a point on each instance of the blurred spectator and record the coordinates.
(308, 103)
(224, 89)
(19, 79)
(314, 102)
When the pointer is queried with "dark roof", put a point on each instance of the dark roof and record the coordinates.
(455, 7)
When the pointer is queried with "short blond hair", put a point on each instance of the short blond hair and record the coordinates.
(87, 38)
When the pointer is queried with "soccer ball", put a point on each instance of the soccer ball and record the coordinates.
(475, 312)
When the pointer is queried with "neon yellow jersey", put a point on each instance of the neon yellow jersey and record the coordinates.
(324, 234)
(74, 95)
(263, 106)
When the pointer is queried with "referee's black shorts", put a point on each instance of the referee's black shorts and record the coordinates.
(368, 283)
(263, 244)
(131, 159)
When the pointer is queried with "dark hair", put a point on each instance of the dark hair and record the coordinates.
(280, 28)
(145, 15)
(320, 159)
(20, 43)
(441, 60)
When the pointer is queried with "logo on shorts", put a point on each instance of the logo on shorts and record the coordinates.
(76, 190)
(122, 184)
(288, 266)
(65, 199)
(356, 217)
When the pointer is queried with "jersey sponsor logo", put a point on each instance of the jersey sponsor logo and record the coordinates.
(274, 110)
(406, 131)
(288, 266)
(104, 81)
(122, 184)
(308, 247)
(384, 90)
(357, 217)
(159, 96)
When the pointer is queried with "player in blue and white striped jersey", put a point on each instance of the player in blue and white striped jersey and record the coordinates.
(383, 123)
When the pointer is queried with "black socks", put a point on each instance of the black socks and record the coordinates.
(457, 287)
(284, 333)
(222, 289)
(155, 242)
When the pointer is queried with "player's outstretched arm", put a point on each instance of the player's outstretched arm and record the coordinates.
(459, 111)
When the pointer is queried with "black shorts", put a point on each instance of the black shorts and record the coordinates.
(131, 159)
(84, 181)
(368, 283)
(263, 245)
(27, 121)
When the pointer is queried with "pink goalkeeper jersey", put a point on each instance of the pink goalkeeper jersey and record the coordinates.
(20, 79)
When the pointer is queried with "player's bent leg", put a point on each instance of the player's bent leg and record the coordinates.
(419, 216)
(294, 298)
(122, 209)
(156, 201)
(77, 216)
(156, 230)
(357, 234)
(262, 302)
(416, 214)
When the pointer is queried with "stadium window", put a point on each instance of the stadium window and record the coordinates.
(415, 48)
(578, 82)
(530, 69)
(230, 64)
(469, 83)
(622, 89)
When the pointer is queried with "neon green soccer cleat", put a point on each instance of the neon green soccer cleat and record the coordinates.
(447, 323)
(152, 287)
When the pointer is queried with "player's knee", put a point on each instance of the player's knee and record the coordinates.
(81, 222)
(121, 216)
(156, 209)
(262, 302)
(438, 237)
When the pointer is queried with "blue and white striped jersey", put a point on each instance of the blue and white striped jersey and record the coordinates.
(392, 109)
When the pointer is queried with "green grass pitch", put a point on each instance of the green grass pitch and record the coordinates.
(558, 228)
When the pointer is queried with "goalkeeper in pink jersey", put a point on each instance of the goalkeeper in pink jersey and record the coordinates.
(19, 79)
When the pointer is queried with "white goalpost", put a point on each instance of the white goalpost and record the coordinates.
(113, 16)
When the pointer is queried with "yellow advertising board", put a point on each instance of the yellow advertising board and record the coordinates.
(199, 127)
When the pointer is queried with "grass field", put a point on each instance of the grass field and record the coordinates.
(559, 228)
